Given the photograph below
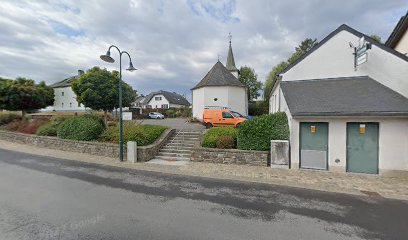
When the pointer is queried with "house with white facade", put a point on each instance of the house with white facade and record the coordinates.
(347, 104)
(398, 38)
(64, 96)
(220, 88)
(161, 100)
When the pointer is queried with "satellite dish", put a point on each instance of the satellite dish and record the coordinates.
(361, 42)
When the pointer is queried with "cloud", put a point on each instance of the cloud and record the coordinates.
(172, 43)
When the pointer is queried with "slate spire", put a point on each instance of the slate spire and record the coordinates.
(230, 60)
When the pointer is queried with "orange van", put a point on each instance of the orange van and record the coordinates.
(222, 117)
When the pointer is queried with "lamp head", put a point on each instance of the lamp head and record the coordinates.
(107, 57)
(131, 68)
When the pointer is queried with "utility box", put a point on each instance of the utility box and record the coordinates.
(131, 152)
(279, 154)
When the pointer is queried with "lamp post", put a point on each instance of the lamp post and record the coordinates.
(107, 58)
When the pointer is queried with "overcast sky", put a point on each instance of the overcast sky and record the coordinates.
(172, 43)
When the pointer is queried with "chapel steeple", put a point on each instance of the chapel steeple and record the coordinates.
(230, 60)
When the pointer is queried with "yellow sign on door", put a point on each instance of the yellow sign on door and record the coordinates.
(313, 129)
(362, 128)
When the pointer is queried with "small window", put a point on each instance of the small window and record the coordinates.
(157, 98)
(226, 115)
(79, 105)
(165, 106)
(70, 105)
(62, 105)
(62, 93)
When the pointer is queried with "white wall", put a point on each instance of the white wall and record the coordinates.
(67, 102)
(393, 141)
(198, 103)
(227, 96)
(238, 100)
(402, 45)
(157, 103)
(335, 59)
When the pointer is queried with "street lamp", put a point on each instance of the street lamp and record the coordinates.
(107, 58)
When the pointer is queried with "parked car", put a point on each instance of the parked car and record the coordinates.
(222, 118)
(156, 115)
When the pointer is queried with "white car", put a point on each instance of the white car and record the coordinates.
(156, 115)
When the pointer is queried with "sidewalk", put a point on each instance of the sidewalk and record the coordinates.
(389, 187)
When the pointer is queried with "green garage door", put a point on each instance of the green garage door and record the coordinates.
(362, 147)
(313, 145)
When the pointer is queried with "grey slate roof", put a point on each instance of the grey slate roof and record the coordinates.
(172, 97)
(352, 96)
(64, 83)
(219, 76)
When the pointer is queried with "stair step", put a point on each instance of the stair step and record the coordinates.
(180, 148)
(175, 150)
(173, 158)
(174, 154)
(180, 144)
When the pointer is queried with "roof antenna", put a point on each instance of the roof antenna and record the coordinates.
(218, 55)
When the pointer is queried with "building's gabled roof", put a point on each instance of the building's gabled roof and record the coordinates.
(219, 76)
(344, 27)
(398, 32)
(172, 97)
(351, 96)
(64, 83)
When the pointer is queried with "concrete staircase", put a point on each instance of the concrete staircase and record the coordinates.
(178, 147)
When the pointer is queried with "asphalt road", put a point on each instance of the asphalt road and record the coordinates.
(47, 198)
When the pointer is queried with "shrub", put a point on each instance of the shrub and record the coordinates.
(6, 117)
(142, 134)
(225, 142)
(48, 129)
(85, 128)
(212, 135)
(257, 133)
(51, 128)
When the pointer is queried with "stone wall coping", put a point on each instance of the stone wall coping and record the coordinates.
(199, 148)
(158, 140)
(280, 141)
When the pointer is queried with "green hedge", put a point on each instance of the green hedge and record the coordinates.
(257, 133)
(142, 134)
(51, 128)
(48, 129)
(212, 135)
(84, 128)
(6, 117)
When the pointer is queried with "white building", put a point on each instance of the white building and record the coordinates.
(398, 39)
(344, 117)
(64, 97)
(220, 88)
(161, 100)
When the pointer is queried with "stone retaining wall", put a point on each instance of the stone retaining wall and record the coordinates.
(144, 153)
(230, 156)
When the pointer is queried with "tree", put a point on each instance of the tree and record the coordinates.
(249, 78)
(98, 89)
(301, 49)
(270, 81)
(306, 45)
(24, 95)
(376, 38)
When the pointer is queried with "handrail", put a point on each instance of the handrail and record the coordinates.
(178, 132)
